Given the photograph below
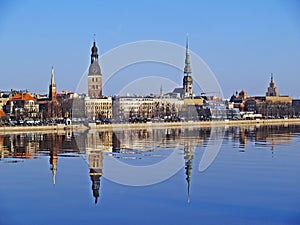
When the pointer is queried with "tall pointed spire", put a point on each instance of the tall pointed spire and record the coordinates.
(52, 86)
(272, 78)
(187, 67)
(52, 76)
(187, 79)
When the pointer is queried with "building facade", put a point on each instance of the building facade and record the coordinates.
(98, 109)
(22, 106)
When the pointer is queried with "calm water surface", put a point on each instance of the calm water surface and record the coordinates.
(250, 175)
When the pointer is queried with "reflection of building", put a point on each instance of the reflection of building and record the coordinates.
(243, 138)
(21, 146)
(95, 164)
(96, 143)
(188, 158)
(53, 151)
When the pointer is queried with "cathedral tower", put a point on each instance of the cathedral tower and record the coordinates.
(94, 75)
(187, 79)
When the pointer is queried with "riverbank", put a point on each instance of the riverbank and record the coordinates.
(195, 124)
(121, 126)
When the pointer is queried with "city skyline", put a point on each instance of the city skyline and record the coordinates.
(242, 43)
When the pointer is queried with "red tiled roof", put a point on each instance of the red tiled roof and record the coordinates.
(2, 113)
(22, 96)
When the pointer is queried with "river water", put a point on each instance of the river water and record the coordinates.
(220, 175)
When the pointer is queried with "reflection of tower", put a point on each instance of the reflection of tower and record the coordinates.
(95, 165)
(95, 143)
(53, 161)
(243, 138)
(94, 75)
(187, 79)
(55, 142)
(188, 157)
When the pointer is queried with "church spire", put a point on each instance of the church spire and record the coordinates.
(52, 77)
(187, 79)
(187, 67)
(52, 86)
(272, 78)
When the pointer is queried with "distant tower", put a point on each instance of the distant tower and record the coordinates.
(94, 76)
(52, 86)
(187, 79)
(272, 89)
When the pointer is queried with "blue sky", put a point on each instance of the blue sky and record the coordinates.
(241, 41)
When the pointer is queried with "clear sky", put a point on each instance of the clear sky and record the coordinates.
(241, 41)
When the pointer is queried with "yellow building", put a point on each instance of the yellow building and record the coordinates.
(279, 99)
(193, 101)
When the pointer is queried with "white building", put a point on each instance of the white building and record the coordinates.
(100, 108)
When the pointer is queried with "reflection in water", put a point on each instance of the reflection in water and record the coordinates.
(188, 157)
(136, 147)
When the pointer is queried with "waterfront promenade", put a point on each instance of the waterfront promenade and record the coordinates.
(116, 126)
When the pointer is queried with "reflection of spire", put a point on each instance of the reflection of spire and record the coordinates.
(53, 163)
(188, 172)
(188, 157)
(95, 178)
